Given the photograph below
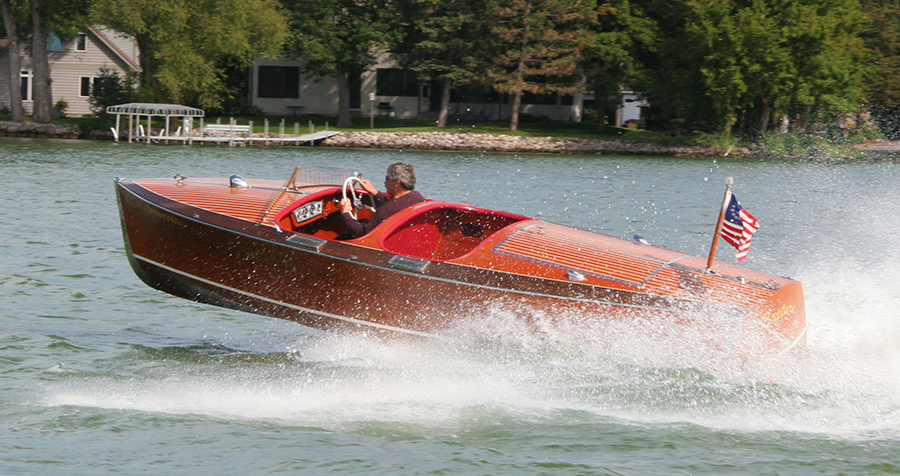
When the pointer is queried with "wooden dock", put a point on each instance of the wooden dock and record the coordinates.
(236, 138)
(231, 133)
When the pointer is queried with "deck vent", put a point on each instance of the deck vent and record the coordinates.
(573, 275)
(236, 180)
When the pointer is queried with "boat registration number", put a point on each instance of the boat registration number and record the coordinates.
(307, 211)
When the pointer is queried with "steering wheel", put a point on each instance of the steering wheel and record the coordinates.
(356, 200)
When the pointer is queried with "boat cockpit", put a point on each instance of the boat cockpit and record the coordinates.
(433, 230)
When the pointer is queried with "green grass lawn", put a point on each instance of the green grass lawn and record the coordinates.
(579, 130)
(576, 130)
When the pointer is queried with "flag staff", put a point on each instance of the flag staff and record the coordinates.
(712, 252)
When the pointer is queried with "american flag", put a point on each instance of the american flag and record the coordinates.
(738, 227)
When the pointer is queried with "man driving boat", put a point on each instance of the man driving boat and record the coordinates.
(400, 182)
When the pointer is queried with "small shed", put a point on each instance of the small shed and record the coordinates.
(137, 111)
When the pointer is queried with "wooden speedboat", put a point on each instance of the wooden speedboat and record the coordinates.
(272, 248)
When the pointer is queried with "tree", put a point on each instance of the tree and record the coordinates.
(611, 58)
(447, 43)
(724, 61)
(883, 37)
(15, 67)
(182, 42)
(832, 59)
(540, 46)
(63, 19)
(42, 93)
(110, 89)
(337, 37)
(883, 86)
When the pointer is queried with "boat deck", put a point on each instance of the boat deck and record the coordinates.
(258, 204)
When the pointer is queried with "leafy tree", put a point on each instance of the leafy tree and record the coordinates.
(727, 60)
(42, 94)
(335, 38)
(883, 86)
(447, 42)
(540, 44)
(183, 41)
(34, 21)
(64, 19)
(671, 81)
(836, 63)
(883, 37)
(611, 57)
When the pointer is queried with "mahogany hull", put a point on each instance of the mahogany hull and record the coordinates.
(195, 251)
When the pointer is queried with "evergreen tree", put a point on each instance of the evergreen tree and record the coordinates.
(540, 45)
(447, 42)
(110, 89)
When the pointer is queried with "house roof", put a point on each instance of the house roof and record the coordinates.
(131, 62)
(103, 38)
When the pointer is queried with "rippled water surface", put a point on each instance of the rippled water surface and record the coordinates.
(101, 374)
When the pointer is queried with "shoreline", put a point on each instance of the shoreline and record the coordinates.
(449, 141)
(474, 142)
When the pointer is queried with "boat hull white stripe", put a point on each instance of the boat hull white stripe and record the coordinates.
(795, 342)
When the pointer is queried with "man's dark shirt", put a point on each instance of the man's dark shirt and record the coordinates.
(386, 206)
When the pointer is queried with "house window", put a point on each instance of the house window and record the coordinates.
(354, 81)
(281, 82)
(533, 98)
(54, 43)
(396, 82)
(81, 42)
(26, 85)
(472, 94)
(84, 87)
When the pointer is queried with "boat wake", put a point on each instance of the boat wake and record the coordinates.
(496, 368)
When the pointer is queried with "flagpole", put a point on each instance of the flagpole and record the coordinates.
(712, 252)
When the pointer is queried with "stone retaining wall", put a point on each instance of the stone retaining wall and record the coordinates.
(505, 143)
(31, 129)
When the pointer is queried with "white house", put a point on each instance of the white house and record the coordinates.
(73, 67)
(280, 87)
(631, 108)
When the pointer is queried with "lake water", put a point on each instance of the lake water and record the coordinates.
(101, 374)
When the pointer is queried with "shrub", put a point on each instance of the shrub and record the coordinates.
(110, 89)
(61, 107)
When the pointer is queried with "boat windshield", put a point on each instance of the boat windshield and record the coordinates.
(316, 176)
